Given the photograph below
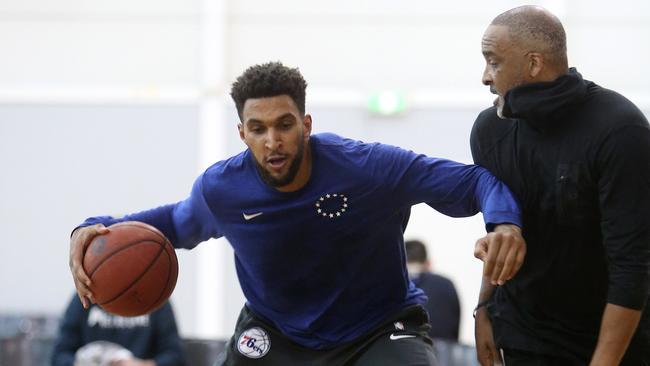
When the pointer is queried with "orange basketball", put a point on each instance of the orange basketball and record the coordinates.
(133, 268)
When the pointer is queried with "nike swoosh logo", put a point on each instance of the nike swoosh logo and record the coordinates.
(251, 216)
(394, 337)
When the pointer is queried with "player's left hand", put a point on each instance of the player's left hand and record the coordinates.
(502, 252)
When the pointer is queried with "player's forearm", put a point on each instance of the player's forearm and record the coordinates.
(616, 330)
(487, 288)
(498, 203)
(486, 291)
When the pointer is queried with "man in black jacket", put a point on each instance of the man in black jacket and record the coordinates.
(577, 156)
(94, 336)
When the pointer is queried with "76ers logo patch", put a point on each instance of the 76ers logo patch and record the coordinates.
(254, 343)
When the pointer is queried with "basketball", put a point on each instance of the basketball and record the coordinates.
(133, 268)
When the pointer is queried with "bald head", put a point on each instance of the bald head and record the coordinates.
(536, 29)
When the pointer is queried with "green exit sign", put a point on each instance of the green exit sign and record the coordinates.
(386, 102)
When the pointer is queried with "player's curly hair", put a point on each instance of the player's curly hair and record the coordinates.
(269, 80)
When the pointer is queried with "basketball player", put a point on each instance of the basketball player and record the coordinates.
(316, 224)
(578, 157)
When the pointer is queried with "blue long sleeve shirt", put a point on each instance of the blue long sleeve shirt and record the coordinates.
(326, 263)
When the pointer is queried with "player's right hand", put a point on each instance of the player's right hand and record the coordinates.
(502, 252)
(79, 241)
(486, 350)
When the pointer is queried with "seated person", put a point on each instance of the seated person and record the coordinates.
(95, 337)
(443, 305)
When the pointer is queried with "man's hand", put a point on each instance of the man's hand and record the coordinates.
(79, 241)
(502, 252)
(486, 350)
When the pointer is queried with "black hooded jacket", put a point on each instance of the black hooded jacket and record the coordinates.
(577, 156)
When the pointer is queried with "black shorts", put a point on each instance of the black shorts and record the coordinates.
(401, 340)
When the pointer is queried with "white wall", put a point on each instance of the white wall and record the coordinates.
(76, 43)
(61, 164)
(72, 69)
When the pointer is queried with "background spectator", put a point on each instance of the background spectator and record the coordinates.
(443, 305)
(147, 340)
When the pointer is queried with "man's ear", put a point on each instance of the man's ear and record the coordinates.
(306, 121)
(240, 127)
(535, 64)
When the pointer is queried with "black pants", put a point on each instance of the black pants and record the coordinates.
(401, 341)
(513, 357)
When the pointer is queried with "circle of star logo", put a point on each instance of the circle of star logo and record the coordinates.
(332, 205)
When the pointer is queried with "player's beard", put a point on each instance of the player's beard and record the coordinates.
(291, 173)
